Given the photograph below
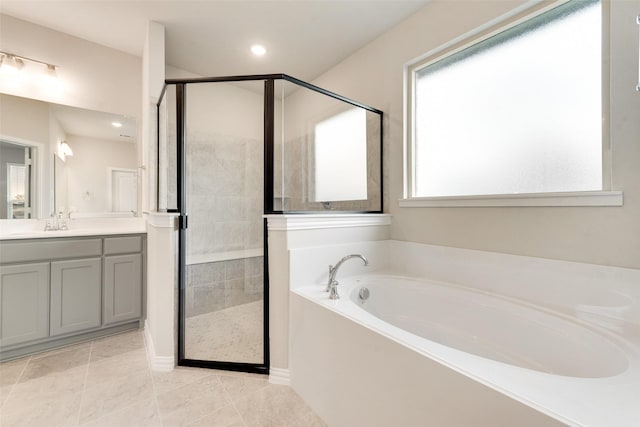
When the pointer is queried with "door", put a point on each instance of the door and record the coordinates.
(122, 288)
(24, 303)
(124, 186)
(75, 295)
(223, 317)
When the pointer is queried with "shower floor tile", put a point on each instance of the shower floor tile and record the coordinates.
(108, 382)
(233, 334)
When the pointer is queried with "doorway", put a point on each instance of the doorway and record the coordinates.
(17, 183)
(124, 190)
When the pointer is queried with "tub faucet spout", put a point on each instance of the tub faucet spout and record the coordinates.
(332, 283)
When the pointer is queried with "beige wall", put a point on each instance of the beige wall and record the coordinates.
(602, 235)
(93, 76)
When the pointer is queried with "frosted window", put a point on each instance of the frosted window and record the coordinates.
(519, 112)
(341, 157)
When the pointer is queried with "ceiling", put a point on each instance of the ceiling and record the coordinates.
(303, 38)
(94, 124)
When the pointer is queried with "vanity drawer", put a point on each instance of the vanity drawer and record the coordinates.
(122, 245)
(45, 249)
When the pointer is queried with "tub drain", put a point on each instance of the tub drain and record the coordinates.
(363, 295)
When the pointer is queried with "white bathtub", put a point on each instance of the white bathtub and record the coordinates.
(429, 353)
(488, 326)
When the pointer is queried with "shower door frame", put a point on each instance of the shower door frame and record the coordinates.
(268, 150)
(259, 368)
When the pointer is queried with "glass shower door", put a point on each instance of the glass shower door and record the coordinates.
(223, 304)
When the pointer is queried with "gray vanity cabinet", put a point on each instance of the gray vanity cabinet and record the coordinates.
(122, 288)
(58, 291)
(75, 295)
(24, 303)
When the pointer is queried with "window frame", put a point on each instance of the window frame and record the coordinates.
(604, 197)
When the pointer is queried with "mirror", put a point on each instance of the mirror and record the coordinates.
(57, 158)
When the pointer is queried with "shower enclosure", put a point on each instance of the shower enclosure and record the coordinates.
(230, 150)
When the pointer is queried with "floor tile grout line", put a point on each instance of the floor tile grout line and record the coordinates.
(124, 408)
(16, 382)
(153, 380)
(24, 368)
(244, 396)
(84, 384)
(217, 410)
(212, 374)
(233, 403)
(235, 408)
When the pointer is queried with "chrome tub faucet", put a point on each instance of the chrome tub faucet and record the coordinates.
(332, 284)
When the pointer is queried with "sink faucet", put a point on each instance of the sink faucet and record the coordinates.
(332, 284)
(56, 222)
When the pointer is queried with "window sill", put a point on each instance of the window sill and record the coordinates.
(578, 198)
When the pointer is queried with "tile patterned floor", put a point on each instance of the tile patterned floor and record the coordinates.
(231, 334)
(108, 383)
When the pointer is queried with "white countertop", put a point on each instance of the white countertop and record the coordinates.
(34, 229)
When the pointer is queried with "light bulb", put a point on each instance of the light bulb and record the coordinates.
(65, 149)
(49, 79)
(51, 71)
(10, 65)
(258, 50)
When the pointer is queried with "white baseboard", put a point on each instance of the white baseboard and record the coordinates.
(157, 363)
(279, 376)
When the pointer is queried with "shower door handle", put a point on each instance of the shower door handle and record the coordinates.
(182, 222)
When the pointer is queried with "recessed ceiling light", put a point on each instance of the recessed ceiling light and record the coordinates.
(116, 124)
(258, 50)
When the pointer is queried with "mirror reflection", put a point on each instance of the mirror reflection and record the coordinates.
(15, 181)
(56, 158)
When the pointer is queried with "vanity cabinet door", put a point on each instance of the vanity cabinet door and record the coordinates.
(75, 295)
(24, 303)
(122, 288)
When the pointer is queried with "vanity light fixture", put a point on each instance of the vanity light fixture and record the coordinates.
(116, 124)
(12, 63)
(65, 149)
(258, 50)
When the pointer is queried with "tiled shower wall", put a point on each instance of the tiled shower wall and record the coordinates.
(225, 198)
(225, 193)
(218, 285)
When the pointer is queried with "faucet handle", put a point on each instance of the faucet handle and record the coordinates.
(329, 280)
(333, 291)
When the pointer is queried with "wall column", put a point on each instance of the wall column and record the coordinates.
(162, 308)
